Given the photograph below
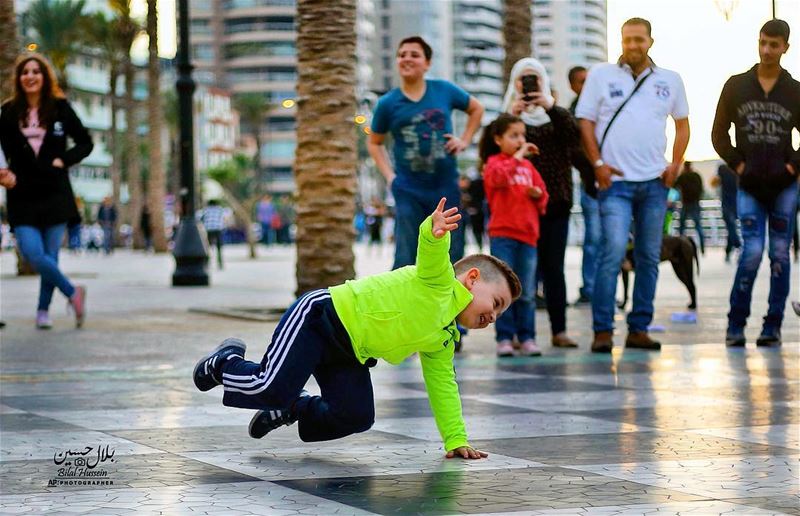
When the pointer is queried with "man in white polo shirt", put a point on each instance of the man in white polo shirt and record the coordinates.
(623, 112)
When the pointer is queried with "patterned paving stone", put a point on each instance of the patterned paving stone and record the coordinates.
(783, 504)
(311, 461)
(701, 508)
(25, 421)
(546, 384)
(148, 470)
(720, 415)
(107, 401)
(476, 492)
(165, 417)
(46, 444)
(227, 438)
(594, 400)
(565, 450)
(778, 435)
(721, 478)
(236, 498)
(420, 407)
(508, 426)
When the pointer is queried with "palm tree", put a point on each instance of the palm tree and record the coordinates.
(517, 19)
(252, 108)
(156, 184)
(104, 34)
(129, 29)
(325, 159)
(241, 191)
(58, 26)
(9, 46)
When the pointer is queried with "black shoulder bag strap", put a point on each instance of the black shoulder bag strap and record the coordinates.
(619, 109)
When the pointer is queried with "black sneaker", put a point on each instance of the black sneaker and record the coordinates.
(207, 374)
(734, 339)
(767, 339)
(583, 299)
(265, 421)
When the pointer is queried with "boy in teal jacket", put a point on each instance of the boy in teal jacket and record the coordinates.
(337, 334)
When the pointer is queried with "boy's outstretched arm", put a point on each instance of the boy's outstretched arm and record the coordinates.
(444, 221)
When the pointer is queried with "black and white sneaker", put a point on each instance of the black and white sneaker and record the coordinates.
(207, 373)
(265, 421)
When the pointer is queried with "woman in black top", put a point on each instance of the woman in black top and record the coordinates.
(34, 126)
(553, 130)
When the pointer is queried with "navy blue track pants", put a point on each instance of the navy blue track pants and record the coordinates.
(309, 340)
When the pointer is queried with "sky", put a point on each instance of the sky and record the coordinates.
(692, 37)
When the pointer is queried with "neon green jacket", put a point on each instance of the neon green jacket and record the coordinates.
(412, 310)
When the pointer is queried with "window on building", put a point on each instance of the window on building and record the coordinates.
(203, 51)
(278, 149)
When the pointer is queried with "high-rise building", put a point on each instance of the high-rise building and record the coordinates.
(248, 46)
(568, 33)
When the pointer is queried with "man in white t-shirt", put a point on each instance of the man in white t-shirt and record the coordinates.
(627, 149)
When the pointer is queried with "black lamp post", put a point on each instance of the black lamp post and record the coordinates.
(191, 246)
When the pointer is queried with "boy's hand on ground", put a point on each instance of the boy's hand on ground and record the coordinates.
(466, 452)
(444, 220)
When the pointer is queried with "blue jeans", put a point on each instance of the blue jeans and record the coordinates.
(646, 203)
(410, 210)
(40, 246)
(692, 211)
(591, 242)
(108, 238)
(756, 218)
(729, 217)
(519, 319)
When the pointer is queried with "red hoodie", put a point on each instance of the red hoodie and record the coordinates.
(514, 214)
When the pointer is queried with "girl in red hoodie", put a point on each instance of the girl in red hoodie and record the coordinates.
(517, 197)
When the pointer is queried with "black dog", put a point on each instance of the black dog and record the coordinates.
(681, 253)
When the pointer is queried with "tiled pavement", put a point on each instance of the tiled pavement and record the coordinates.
(694, 429)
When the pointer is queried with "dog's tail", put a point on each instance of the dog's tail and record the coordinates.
(694, 252)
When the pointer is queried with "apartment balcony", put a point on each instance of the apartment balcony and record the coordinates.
(257, 36)
(259, 86)
(480, 17)
(88, 79)
(485, 34)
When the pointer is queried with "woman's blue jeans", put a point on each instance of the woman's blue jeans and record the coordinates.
(519, 319)
(39, 246)
(645, 203)
(756, 219)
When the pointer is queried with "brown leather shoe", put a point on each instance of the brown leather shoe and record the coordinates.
(603, 342)
(641, 340)
(562, 341)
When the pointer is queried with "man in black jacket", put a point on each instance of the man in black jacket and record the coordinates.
(764, 105)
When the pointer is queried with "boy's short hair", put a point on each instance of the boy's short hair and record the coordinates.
(492, 269)
(426, 48)
(776, 29)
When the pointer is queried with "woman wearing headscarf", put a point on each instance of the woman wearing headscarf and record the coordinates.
(554, 131)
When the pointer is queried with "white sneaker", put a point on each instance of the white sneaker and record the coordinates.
(43, 321)
(530, 348)
(505, 349)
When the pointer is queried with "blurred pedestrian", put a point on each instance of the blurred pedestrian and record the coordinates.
(265, 211)
(147, 231)
(690, 185)
(623, 112)
(589, 207)
(763, 104)
(213, 219)
(107, 218)
(374, 212)
(554, 131)
(35, 126)
(418, 115)
(726, 179)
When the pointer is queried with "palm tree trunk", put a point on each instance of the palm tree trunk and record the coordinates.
(242, 213)
(113, 143)
(517, 19)
(132, 158)
(156, 182)
(9, 46)
(325, 160)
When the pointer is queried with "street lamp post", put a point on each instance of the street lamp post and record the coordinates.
(191, 247)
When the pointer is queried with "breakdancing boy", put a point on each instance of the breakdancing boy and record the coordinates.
(337, 334)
